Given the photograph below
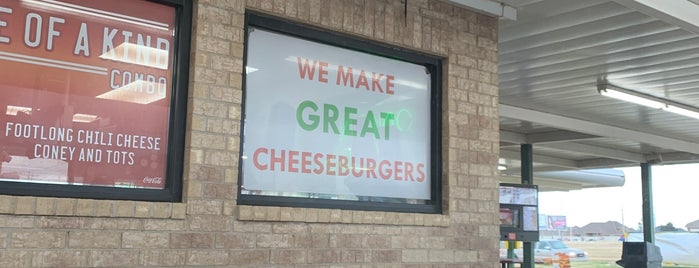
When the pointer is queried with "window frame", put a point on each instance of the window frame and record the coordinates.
(177, 115)
(328, 37)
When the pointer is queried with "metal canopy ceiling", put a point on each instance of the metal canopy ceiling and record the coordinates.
(551, 58)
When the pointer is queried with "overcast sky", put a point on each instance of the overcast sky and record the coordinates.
(675, 195)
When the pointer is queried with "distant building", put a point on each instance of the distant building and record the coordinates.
(610, 228)
(693, 226)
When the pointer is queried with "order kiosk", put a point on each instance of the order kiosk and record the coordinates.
(519, 212)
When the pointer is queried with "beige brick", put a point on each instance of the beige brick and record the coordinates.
(16, 221)
(124, 208)
(85, 207)
(229, 207)
(179, 211)
(204, 207)
(209, 223)
(324, 256)
(250, 257)
(45, 206)
(25, 205)
(62, 258)
(104, 208)
(7, 204)
(164, 225)
(114, 258)
(245, 213)
(192, 240)
(37, 239)
(164, 257)
(143, 209)
(15, 258)
(161, 210)
(236, 240)
(288, 256)
(415, 256)
(65, 206)
(145, 240)
(207, 257)
(94, 239)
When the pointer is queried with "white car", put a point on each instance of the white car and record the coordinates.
(549, 248)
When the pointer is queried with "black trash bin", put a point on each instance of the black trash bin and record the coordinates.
(640, 255)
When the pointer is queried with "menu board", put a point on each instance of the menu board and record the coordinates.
(518, 195)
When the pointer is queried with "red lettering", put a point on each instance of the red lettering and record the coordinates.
(293, 161)
(255, 158)
(370, 168)
(409, 171)
(277, 160)
(306, 70)
(344, 76)
(388, 173)
(305, 162)
(398, 169)
(376, 82)
(389, 84)
(317, 160)
(361, 81)
(355, 168)
(420, 171)
(343, 169)
(322, 72)
(331, 164)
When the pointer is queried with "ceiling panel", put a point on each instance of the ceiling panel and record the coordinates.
(551, 59)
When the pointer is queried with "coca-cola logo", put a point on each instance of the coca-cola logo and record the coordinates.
(153, 180)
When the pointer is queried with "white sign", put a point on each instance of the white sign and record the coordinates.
(327, 120)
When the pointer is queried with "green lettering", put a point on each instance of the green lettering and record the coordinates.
(314, 119)
(330, 115)
(370, 126)
(349, 121)
(387, 117)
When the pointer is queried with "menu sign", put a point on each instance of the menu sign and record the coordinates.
(85, 91)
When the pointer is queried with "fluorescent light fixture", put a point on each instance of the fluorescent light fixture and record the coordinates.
(682, 111)
(502, 167)
(13, 110)
(84, 118)
(647, 100)
(631, 98)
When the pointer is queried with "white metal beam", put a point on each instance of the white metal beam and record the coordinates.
(543, 159)
(677, 12)
(597, 129)
(492, 8)
(558, 136)
(596, 151)
(545, 137)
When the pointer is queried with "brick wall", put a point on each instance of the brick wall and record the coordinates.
(209, 230)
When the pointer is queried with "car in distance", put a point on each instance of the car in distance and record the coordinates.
(545, 250)
(549, 248)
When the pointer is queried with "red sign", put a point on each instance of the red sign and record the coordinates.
(85, 91)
